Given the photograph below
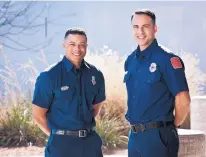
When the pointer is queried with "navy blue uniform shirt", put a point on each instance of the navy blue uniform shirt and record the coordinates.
(153, 78)
(69, 95)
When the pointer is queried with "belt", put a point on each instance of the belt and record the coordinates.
(78, 133)
(143, 127)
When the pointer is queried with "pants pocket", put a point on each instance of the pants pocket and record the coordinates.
(173, 142)
(162, 136)
(48, 146)
(169, 138)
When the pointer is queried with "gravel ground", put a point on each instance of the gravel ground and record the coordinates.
(39, 152)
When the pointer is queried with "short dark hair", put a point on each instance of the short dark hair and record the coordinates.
(145, 12)
(75, 30)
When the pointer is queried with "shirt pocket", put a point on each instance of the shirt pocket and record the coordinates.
(130, 83)
(91, 92)
(64, 94)
(151, 78)
(63, 100)
(126, 77)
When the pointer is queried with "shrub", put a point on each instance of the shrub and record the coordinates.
(17, 127)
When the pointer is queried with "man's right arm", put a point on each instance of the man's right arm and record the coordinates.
(42, 98)
(39, 116)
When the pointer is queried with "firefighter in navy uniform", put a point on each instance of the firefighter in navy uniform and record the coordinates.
(156, 86)
(66, 99)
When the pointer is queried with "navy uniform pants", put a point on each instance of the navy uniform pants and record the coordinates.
(73, 146)
(157, 142)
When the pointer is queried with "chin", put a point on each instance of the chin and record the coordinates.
(77, 58)
(141, 44)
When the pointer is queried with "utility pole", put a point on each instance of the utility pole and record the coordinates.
(45, 27)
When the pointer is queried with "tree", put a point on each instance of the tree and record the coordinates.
(19, 18)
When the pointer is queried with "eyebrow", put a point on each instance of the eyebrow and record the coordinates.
(72, 42)
(146, 25)
(142, 25)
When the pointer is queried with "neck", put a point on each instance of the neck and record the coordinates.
(142, 48)
(77, 64)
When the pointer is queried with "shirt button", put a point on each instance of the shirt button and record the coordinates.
(138, 70)
(133, 97)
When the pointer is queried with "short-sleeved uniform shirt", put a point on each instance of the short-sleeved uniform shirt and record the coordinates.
(153, 78)
(69, 94)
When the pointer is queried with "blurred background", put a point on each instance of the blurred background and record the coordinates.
(28, 27)
(31, 35)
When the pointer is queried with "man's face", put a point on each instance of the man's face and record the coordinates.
(143, 30)
(76, 46)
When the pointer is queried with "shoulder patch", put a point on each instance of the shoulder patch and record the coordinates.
(176, 63)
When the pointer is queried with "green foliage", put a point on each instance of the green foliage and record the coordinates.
(111, 125)
(17, 127)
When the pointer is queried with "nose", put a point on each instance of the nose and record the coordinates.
(77, 48)
(140, 31)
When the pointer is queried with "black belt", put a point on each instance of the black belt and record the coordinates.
(143, 127)
(78, 133)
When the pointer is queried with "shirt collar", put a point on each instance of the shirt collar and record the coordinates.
(146, 53)
(69, 65)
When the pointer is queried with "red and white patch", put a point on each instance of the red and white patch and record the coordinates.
(176, 63)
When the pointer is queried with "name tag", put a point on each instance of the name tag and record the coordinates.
(64, 88)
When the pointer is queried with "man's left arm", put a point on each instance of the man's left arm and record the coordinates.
(182, 107)
(100, 97)
(174, 75)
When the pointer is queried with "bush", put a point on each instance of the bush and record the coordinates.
(17, 127)
(112, 126)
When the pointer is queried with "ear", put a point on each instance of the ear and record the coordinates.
(63, 44)
(155, 28)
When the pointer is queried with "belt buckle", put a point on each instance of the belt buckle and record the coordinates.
(82, 133)
(142, 128)
(60, 132)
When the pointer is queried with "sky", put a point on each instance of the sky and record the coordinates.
(181, 27)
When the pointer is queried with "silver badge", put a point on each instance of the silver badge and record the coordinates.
(64, 88)
(93, 80)
(153, 67)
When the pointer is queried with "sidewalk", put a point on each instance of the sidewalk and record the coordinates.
(38, 152)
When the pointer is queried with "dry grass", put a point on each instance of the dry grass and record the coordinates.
(17, 129)
(112, 126)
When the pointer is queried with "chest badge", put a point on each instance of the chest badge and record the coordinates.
(153, 67)
(93, 80)
(64, 88)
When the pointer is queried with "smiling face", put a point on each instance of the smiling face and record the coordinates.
(76, 46)
(143, 30)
